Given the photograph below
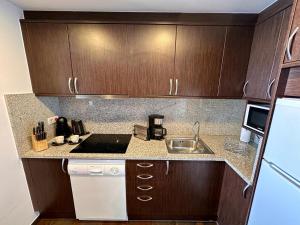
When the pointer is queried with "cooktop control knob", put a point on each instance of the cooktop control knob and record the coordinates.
(114, 171)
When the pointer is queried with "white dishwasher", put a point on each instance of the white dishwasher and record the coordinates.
(99, 189)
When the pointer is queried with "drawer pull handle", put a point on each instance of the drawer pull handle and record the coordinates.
(75, 85)
(144, 176)
(168, 167)
(245, 190)
(144, 198)
(63, 165)
(171, 86)
(270, 88)
(69, 85)
(145, 165)
(290, 40)
(145, 187)
(176, 87)
(244, 88)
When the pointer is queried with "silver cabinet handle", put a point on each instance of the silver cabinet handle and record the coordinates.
(144, 176)
(288, 47)
(269, 88)
(63, 165)
(144, 198)
(145, 165)
(244, 88)
(245, 190)
(145, 187)
(176, 86)
(69, 84)
(168, 167)
(75, 85)
(171, 86)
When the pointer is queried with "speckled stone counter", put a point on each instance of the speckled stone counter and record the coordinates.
(244, 164)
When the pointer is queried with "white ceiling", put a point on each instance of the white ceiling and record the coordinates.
(191, 6)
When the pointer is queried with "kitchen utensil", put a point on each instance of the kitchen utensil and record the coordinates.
(74, 139)
(59, 139)
(78, 127)
(62, 127)
(245, 135)
(79, 141)
(141, 132)
(53, 143)
(39, 137)
(156, 130)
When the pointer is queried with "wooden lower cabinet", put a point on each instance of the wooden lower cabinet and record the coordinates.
(178, 190)
(49, 187)
(233, 206)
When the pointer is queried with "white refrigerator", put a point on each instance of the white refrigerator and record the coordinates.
(277, 196)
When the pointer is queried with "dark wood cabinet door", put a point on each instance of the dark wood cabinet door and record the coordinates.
(99, 58)
(199, 51)
(193, 189)
(146, 189)
(48, 56)
(151, 59)
(295, 37)
(233, 206)
(280, 49)
(263, 52)
(50, 188)
(235, 61)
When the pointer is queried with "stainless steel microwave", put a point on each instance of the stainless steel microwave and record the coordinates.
(256, 117)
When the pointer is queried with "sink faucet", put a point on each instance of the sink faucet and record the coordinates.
(196, 135)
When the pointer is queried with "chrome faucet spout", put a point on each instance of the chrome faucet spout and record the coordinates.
(196, 134)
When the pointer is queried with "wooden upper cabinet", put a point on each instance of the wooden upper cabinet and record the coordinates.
(263, 54)
(235, 61)
(139, 60)
(280, 49)
(48, 57)
(151, 59)
(199, 51)
(99, 58)
(294, 38)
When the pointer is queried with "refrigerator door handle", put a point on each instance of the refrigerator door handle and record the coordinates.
(284, 174)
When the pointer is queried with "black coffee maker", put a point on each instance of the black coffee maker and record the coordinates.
(156, 130)
(62, 127)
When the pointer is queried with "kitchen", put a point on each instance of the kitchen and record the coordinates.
(145, 113)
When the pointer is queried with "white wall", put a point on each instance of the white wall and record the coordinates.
(15, 202)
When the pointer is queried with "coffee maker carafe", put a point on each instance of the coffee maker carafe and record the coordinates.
(156, 130)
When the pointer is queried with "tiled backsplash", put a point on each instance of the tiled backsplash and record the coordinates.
(216, 116)
(25, 110)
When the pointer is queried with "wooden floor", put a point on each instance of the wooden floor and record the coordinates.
(77, 222)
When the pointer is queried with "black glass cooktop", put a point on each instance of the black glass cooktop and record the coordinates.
(104, 143)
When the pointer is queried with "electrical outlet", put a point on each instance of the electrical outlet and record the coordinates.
(52, 120)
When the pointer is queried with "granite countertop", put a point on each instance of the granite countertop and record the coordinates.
(138, 149)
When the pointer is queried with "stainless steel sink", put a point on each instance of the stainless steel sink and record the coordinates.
(187, 146)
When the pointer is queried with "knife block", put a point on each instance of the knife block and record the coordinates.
(39, 145)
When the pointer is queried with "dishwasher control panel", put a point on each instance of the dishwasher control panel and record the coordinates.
(96, 167)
